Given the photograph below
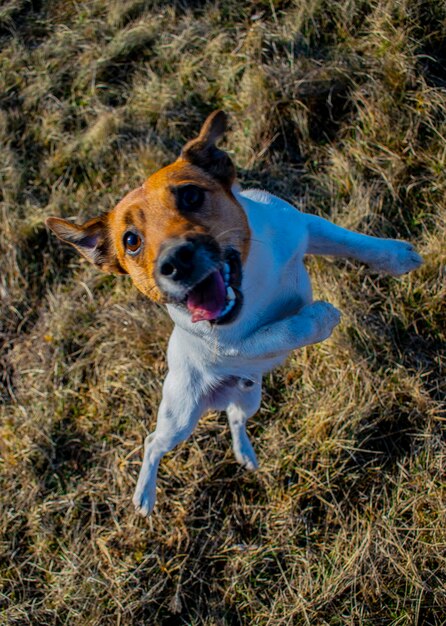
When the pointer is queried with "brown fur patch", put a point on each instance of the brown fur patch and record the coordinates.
(152, 210)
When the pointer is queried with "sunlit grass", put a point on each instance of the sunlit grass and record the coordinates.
(339, 107)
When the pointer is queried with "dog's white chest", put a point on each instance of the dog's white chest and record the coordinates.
(276, 282)
(275, 285)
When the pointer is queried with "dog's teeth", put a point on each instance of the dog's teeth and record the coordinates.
(227, 308)
(225, 273)
(231, 294)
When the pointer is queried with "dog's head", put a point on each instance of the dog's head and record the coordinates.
(182, 236)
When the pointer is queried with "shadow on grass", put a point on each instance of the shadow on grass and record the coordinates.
(66, 455)
(197, 592)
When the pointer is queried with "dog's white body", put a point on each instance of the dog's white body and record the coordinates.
(221, 367)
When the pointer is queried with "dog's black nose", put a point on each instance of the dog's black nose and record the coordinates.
(177, 261)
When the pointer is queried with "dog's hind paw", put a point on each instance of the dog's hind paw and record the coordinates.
(396, 258)
(248, 461)
(143, 505)
(144, 502)
(243, 451)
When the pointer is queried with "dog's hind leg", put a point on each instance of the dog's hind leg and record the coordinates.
(178, 415)
(244, 404)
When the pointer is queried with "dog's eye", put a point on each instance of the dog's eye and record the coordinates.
(190, 198)
(132, 242)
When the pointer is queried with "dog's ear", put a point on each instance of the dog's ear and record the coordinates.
(91, 239)
(203, 152)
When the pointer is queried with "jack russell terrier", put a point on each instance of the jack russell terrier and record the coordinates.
(229, 265)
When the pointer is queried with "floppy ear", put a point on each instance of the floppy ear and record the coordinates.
(91, 240)
(203, 152)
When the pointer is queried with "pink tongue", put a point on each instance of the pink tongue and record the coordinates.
(207, 300)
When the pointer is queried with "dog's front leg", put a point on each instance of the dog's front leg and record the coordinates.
(314, 323)
(178, 415)
(383, 255)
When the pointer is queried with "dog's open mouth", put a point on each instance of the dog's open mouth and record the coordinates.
(216, 298)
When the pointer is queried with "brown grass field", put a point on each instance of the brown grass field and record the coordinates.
(337, 106)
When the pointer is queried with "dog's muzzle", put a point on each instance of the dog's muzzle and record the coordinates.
(194, 272)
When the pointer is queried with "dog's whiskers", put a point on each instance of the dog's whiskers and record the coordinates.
(225, 232)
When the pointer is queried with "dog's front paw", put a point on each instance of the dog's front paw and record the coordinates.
(324, 317)
(396, 258)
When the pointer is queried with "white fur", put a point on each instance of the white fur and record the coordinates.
(221, 367)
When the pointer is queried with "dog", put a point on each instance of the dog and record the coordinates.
(229, 265)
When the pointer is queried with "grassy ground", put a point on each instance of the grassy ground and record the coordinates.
(337, 106)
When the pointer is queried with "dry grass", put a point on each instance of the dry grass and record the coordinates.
(338, 106)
